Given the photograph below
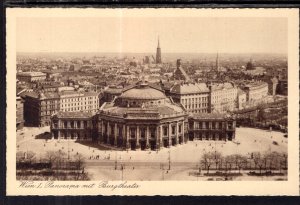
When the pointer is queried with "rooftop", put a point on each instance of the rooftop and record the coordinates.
(144, 92)
(32, 74)
(74, 115)
(210, 116)
(189, 88)
(221, 86)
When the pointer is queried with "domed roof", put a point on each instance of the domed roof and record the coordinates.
(143, 92)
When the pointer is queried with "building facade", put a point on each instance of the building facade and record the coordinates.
(20, 113)
(211, 127)
(241, 99)
(194, 97)
(142, 117)
(74, 101)
(78, 126)
(38, 108)
(31, 76)
(223, 97)
(256, 91)
(110, 93)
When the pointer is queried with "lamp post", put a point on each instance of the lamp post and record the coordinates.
(116, 162)
(169, 158)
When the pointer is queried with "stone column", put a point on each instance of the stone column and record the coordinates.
(170, 134)
(177, 130)
(158, 137)
(183, 132)
(147, 138)
(108, 133)
(127, 137)
(123, 135)
(116, 134)
(138, 137)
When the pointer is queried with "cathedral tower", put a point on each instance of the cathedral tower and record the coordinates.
(158, 54)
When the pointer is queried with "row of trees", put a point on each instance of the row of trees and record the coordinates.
(56, 165)
(268, 162)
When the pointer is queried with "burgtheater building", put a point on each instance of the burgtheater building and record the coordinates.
(142, 117)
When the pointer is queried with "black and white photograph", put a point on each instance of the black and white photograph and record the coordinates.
(155, 97)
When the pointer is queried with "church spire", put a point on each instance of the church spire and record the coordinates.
(217, 62)
(158, 53)
(158, 46)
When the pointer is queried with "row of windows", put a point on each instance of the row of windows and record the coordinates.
(201, 105)
(189, 100)
(173, 130)
(200, 111)
(49, 102)
(47, 112)
(89, 108)
(79, 99)
(81, 103)
(211, 125)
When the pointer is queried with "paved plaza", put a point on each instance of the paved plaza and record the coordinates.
(102, 163)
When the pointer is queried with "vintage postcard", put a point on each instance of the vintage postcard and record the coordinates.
(152, 101)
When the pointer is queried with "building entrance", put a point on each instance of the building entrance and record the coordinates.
(166, 143)
(153, 145)
(133, 145)
(143, 145)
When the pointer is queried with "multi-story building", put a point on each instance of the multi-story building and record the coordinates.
(74, 101)
(110, 93)
(256, 92)
(223, 97)
(241, 99)
(194, 97)
(38, 108)
(73, 125)
(211, 126)
(31, 76)
(142, 117)
(282, 87)
(20, 113)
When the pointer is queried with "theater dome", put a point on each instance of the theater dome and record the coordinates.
(143, 92)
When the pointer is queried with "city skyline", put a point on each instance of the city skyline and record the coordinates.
(140, 35)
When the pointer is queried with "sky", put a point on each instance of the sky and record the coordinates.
(140, 35)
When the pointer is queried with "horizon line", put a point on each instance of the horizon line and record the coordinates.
(115, 52)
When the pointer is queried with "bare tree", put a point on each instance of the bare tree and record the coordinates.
(30, 156)
(229, 162)
(283, 161)
(20, 156)
(217, 159)
(207, 160)
(240, 161)
(273, 159)
(51, 156)
(259, 161)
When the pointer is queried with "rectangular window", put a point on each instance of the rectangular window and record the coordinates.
(165, 131)
(173, 130)
(143, 132)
